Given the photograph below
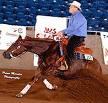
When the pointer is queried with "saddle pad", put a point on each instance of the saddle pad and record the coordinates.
(83, 50)
(83, 56)
(88, 57)
(64, 41)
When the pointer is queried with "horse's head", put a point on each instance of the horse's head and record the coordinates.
(34, 45)
(15, 49)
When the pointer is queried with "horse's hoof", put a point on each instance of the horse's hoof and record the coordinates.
(55, 87)
(20, 95)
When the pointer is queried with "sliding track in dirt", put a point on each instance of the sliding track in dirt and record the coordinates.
(85, 89)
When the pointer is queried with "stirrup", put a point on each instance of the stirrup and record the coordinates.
(63, 66)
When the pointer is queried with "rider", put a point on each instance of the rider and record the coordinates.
(76, 29)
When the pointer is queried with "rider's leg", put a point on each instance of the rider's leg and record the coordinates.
(62, 60)
(74, 42)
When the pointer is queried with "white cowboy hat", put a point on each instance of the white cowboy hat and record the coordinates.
(77, 4)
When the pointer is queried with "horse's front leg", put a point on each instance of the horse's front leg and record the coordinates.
(29, 85)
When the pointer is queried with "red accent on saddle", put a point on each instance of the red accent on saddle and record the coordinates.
(61, 59)
(84, 50)
(64, 41)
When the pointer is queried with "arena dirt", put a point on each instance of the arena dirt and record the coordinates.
(85, 89)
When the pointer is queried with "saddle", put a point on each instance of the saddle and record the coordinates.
(64, 41)
(83, 52)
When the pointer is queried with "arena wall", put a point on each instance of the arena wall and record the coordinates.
(25, 61)
(94, 42)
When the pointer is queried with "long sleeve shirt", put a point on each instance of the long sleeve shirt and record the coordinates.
(77, 25)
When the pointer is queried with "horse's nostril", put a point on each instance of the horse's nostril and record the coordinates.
(7, 55)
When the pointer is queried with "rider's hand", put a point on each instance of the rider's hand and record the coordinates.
(60, 34)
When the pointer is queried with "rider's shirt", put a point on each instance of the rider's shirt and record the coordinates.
(77, 25)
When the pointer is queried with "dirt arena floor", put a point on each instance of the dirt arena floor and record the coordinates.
(85, 89)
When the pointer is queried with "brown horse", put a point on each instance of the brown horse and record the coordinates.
(49, 52)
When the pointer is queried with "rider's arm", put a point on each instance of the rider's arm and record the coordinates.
(77, 24)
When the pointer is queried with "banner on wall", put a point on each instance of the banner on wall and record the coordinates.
(104, 38)
(10, 33)
(46, 27)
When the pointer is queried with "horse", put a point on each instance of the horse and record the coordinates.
(48, 51)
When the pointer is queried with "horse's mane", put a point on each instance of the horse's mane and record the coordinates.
(47, 40)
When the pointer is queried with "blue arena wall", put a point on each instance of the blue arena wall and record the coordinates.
(24, 12)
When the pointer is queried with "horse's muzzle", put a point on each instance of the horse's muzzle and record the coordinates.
(7, 55)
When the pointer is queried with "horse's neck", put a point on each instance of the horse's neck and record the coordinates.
(38, 46)
(51, 54)
(27, 38)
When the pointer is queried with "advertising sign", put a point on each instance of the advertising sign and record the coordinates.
(104, 38)
(10, 33)
(47, 27)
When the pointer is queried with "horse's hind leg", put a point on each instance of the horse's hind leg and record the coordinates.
(49, 85)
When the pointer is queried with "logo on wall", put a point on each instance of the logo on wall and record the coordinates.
(48, 33)
(10, 33)
(48, 26)
(104, 38)
(17, 30)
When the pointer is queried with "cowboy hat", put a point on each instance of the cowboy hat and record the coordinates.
(77, 4)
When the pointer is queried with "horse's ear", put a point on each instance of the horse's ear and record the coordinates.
(20, 37)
